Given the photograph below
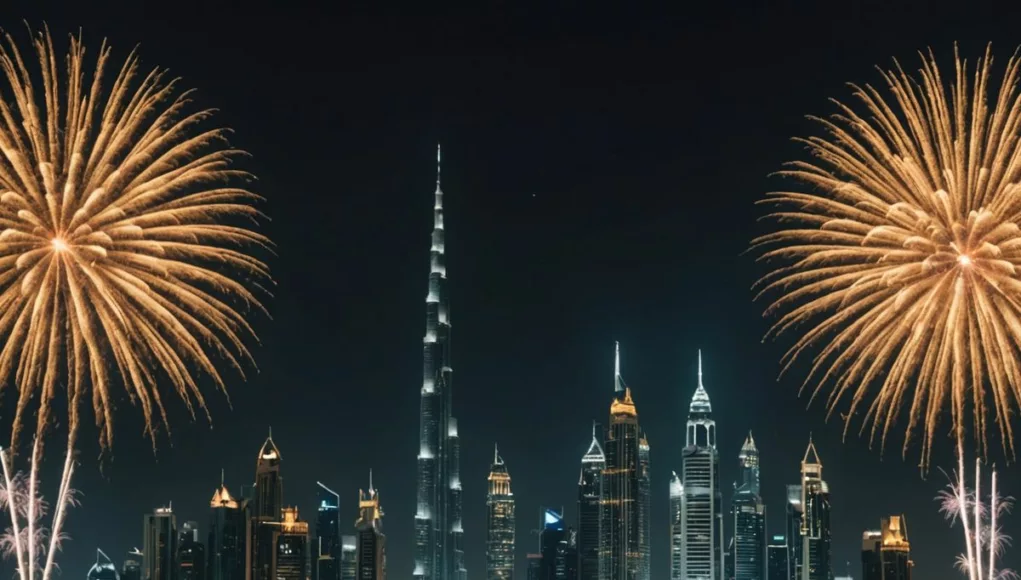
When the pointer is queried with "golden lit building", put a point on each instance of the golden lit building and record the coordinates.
(886, 553)
(499, 522)
(291, 546)
(371, 552)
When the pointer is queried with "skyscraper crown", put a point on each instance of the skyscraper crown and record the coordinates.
(595, 450)
(700, 400)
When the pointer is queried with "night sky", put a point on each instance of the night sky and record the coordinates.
(600, 169)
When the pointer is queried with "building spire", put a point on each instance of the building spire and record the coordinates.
(496, 453)
(618, 382)
(221, 477)
(371, 489)
(437, 167)
(700, 368)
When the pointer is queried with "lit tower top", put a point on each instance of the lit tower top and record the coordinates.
(811, 465)
(370, 512)
(701, 431)
(499, 477)
(269, 487)
(749, 461)
(595, 450)
(222, 497)
(623, 407)
(618, 382)
(676, 487)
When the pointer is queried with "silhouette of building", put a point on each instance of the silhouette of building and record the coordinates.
(159, 546)
(103, 569)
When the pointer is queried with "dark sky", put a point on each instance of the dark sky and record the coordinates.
(601, 165)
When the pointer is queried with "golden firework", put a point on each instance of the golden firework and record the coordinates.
(123, 245)
(898, 259)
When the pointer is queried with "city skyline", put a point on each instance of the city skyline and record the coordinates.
(601, 181)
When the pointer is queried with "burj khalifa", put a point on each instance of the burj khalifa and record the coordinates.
(439, 551)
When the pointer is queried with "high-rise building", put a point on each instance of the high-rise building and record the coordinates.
(676, 527)
(290, 544)
(225, 555)
(534, 566)
(795, 516)
(103, 569)
(371, 540)
(159, 545)
(327, 547)
(265, 512)
(749, 513)
(590, 494)
(571, 558)
(439, 554)
(886, 554)
(620, 551)
(701, 502)
(131, 569)
(778, 558)
(871, 561)
(191, 553)
(554, 546)
(499, 522)
(815, 526)
(644, 510)
(348, 557)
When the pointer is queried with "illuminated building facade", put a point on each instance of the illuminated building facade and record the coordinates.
(553, 545)
(815, 525)
(371, 540)
(159, 545)
(226, 539)
(348, 557)
(886, 554)
(499, 522)
(439, 554)
(676, 528)
(795, 516)
(290, 546)
(620, 551)
(327, 546)
(590, 493)
(701, 501)
(749, 513)
(644, 510)
(778, 560)
(265, 513)
(103, 569)
(191, 553)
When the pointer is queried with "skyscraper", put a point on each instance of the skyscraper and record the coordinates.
(439, 554)
(749, 514)
(886, 554)
(778, 558)
(676, 527)
(553, 546)
(348, 557)
(701, 502)
(191, 553)
(499, 522)
(159, 544)
(795, 516)
(371, 540)
(644, 509)
(131, 569)
(266, 510)
(103, 569)
(871, 561)
(226, 540)
(815, 527)
(590, 493)
(290, 544)
(620, 552)
(327, 546)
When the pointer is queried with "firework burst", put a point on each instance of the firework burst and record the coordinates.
(123, 256)
(898, 258)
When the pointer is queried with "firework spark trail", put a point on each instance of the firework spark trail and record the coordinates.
(898, 260)
(123, 257)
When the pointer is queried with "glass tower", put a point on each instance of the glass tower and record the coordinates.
(749, 551)
(191, 554)
(590, 494)
(267, 508)
(499, 522)
(327, 548)
(553, 546)
(620, 524)
(778, 558)
(439, 554)
(815, 525)
(644, 509)
(348, 557)
(676, 527)
(795, 515)
(225, 559)
(701, 502)
(371, 540)
(159, 546)
(290, 542)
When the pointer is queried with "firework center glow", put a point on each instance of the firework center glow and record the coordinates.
(59, 245)
(964, 260)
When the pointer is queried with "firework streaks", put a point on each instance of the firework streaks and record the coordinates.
(898, 259)
(123, 256)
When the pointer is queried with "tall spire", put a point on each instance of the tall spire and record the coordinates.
(700, 400)
(618, 382)
(371, 489)
(437, 167)
(700, 368)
